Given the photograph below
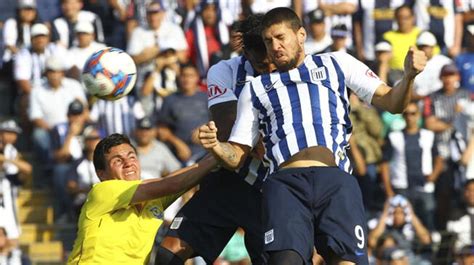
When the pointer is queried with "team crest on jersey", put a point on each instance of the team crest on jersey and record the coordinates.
(318, 74)
(155, 211)
(214, 91)
(269, 237)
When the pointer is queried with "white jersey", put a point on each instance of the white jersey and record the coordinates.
(225, 81)
(304, 107)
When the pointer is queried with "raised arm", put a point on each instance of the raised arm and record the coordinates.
(176, 182)
(229, 154)
(397, 98)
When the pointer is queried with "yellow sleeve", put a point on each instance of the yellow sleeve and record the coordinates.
(108, 196)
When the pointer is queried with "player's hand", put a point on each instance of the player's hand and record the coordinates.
(76, 128)
(415, 62)
(208, 135)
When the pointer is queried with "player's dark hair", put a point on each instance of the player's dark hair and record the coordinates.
(398, 9)
(281, 15)
(104, 146)
(251, 33)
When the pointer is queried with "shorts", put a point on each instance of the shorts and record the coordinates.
(223, 203)
(315, 206)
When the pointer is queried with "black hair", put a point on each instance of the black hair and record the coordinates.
(282, 15)
(398, 9)
(104, 146)
(251, 33)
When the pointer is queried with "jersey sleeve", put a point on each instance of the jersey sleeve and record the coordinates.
(358, 76)
(219, 84)
(245, 129)
(109, 196)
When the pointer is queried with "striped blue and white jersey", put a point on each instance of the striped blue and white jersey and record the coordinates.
(225, 81)
(304, 107)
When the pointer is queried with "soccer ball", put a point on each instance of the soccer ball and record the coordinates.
(109, 73)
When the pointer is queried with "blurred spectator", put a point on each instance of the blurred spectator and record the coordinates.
(441, 109)
(441, 116)
(181, 114)
(383, 55)
(318, 40)
(367, 137)
(9, 236)
(208, 36)
(371, 21)
(161, 82)
(467, 158)
(465, 256)
(15, 167)
(117, 116)
(17, 30)
(393, 256)
(146, 42)
(411, 165)
(48, 10)
(467, 9)
(340, 36)
(461, 221)
(400, 222)
(49, 105)
(428, 81)
(29, 65)
(113, 14)
(339, 12)
(444, 20)
(465, 59)
(263, 6)
(401, 39)
(85, 47)
(82, 175)
(155, 158)
(72, 13)
(66, 145)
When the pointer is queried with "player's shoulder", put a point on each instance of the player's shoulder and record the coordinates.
(226, 65)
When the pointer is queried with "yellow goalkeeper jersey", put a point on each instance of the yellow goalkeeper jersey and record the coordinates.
(111, 231)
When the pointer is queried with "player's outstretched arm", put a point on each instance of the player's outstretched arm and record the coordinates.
(230, 154)
(397, 98)
(176, 182)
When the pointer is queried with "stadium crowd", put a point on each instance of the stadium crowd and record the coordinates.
(415, 170)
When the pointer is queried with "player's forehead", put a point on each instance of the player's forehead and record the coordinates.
(277, 29)
(122, 150)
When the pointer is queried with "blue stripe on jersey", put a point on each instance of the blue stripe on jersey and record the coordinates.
(315, 105)
(295, 110)
(344, 99)
(265, 122)
(241, 77)
(278, 111)
(332, 103)
(343, 94)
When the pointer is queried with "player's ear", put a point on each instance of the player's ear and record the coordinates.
(101, 174)
(301, 34)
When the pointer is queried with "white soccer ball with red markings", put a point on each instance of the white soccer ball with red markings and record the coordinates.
(109, 73)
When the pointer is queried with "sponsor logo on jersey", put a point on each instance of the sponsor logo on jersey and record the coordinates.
(214, 91)
(371, 74)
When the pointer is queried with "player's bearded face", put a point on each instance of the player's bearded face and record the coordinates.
(284, 46)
